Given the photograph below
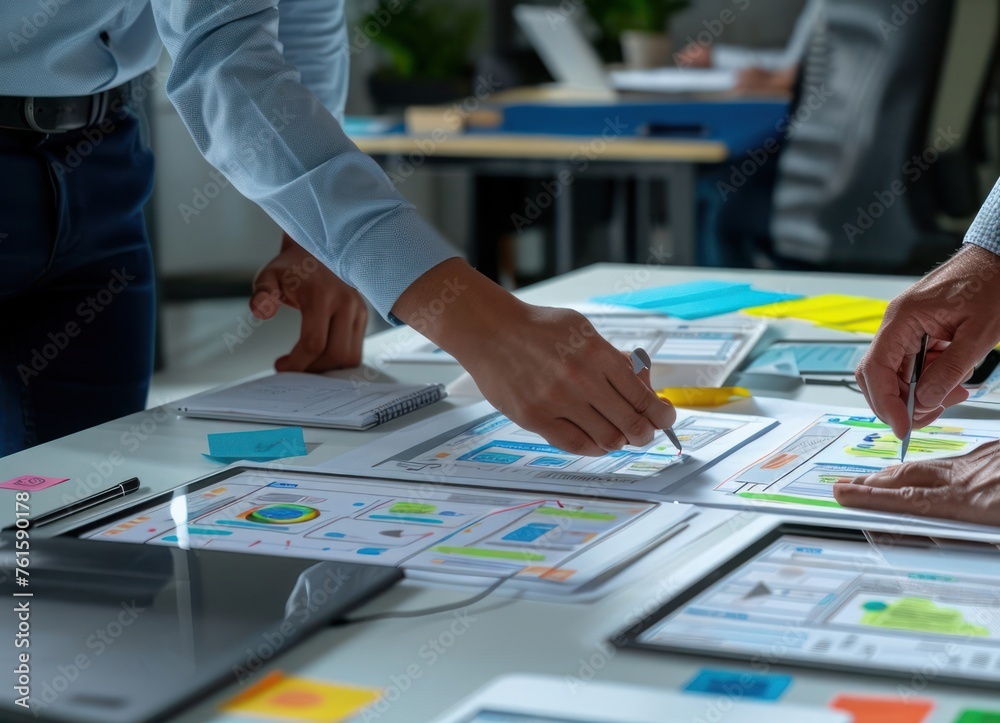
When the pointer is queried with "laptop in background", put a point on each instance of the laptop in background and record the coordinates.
(574, 63)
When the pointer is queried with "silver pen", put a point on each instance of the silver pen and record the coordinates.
(640, 360)
(911, 399)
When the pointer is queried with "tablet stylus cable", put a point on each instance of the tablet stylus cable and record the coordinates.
(482, 595)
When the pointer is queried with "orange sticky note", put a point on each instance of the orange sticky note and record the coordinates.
(282, 697)
(883, 710)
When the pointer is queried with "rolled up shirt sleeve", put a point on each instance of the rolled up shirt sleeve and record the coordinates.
(985, 230)
(253, 118)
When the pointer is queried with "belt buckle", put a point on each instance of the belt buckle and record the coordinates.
(32, 121)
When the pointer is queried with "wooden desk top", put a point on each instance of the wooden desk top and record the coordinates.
(481, 145)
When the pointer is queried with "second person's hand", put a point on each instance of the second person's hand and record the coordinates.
(958, 306)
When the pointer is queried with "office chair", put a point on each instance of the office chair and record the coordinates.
(864, 183)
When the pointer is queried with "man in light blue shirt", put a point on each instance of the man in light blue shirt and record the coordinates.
(260, 86)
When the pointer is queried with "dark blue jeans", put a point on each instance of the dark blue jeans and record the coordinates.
(76, 280)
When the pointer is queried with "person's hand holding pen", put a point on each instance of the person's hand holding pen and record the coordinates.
(955, 307)
(958, 307)
(546, 369)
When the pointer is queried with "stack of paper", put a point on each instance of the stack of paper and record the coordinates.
(697, 299)
(833, 311)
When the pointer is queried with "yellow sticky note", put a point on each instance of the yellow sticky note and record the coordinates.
(701, 396)
(866, 326)
(849, 314)
(824, 309)
(283, 697)
(797, 307)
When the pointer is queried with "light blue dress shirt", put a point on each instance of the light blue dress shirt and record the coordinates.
(260, 85)
(985, 230)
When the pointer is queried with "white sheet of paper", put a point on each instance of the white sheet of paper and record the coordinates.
(538, 699)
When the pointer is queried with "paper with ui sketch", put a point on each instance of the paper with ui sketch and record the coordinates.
(793, 468)
(559, 543)
(478, 445)
(684, 354)
(311, 400)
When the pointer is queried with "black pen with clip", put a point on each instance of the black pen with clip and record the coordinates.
(119, 490)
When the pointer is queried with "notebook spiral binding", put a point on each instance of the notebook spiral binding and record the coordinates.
(408, 404)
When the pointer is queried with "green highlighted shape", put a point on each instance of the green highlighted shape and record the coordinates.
(978, 716)
(921, 616)
(888, 446)
(495, 554)
(576, 514)
(412, 508)
(865, 425)
(790, 499)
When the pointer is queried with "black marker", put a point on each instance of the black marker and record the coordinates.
(119, 490)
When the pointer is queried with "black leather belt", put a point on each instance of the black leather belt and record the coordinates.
(60, 115)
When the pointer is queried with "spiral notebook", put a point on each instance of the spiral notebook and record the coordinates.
(311, 400)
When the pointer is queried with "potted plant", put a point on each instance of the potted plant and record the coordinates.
(426, 46)
(640, 26)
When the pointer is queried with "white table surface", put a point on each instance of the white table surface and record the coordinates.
(500, 635)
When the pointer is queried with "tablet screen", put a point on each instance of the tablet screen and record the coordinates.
(130, 633)
(830, 599)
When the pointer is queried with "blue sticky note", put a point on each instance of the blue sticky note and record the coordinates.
(259, 445)
(738, 685)
(724, 302)
(671, 294)
(231, 460)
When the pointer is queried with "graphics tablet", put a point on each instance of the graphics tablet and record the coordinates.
(827, 598)
(130, 633)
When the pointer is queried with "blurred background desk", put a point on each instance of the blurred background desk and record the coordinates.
(493, 158)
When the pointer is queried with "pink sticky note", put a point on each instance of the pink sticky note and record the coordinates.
(31, 482)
